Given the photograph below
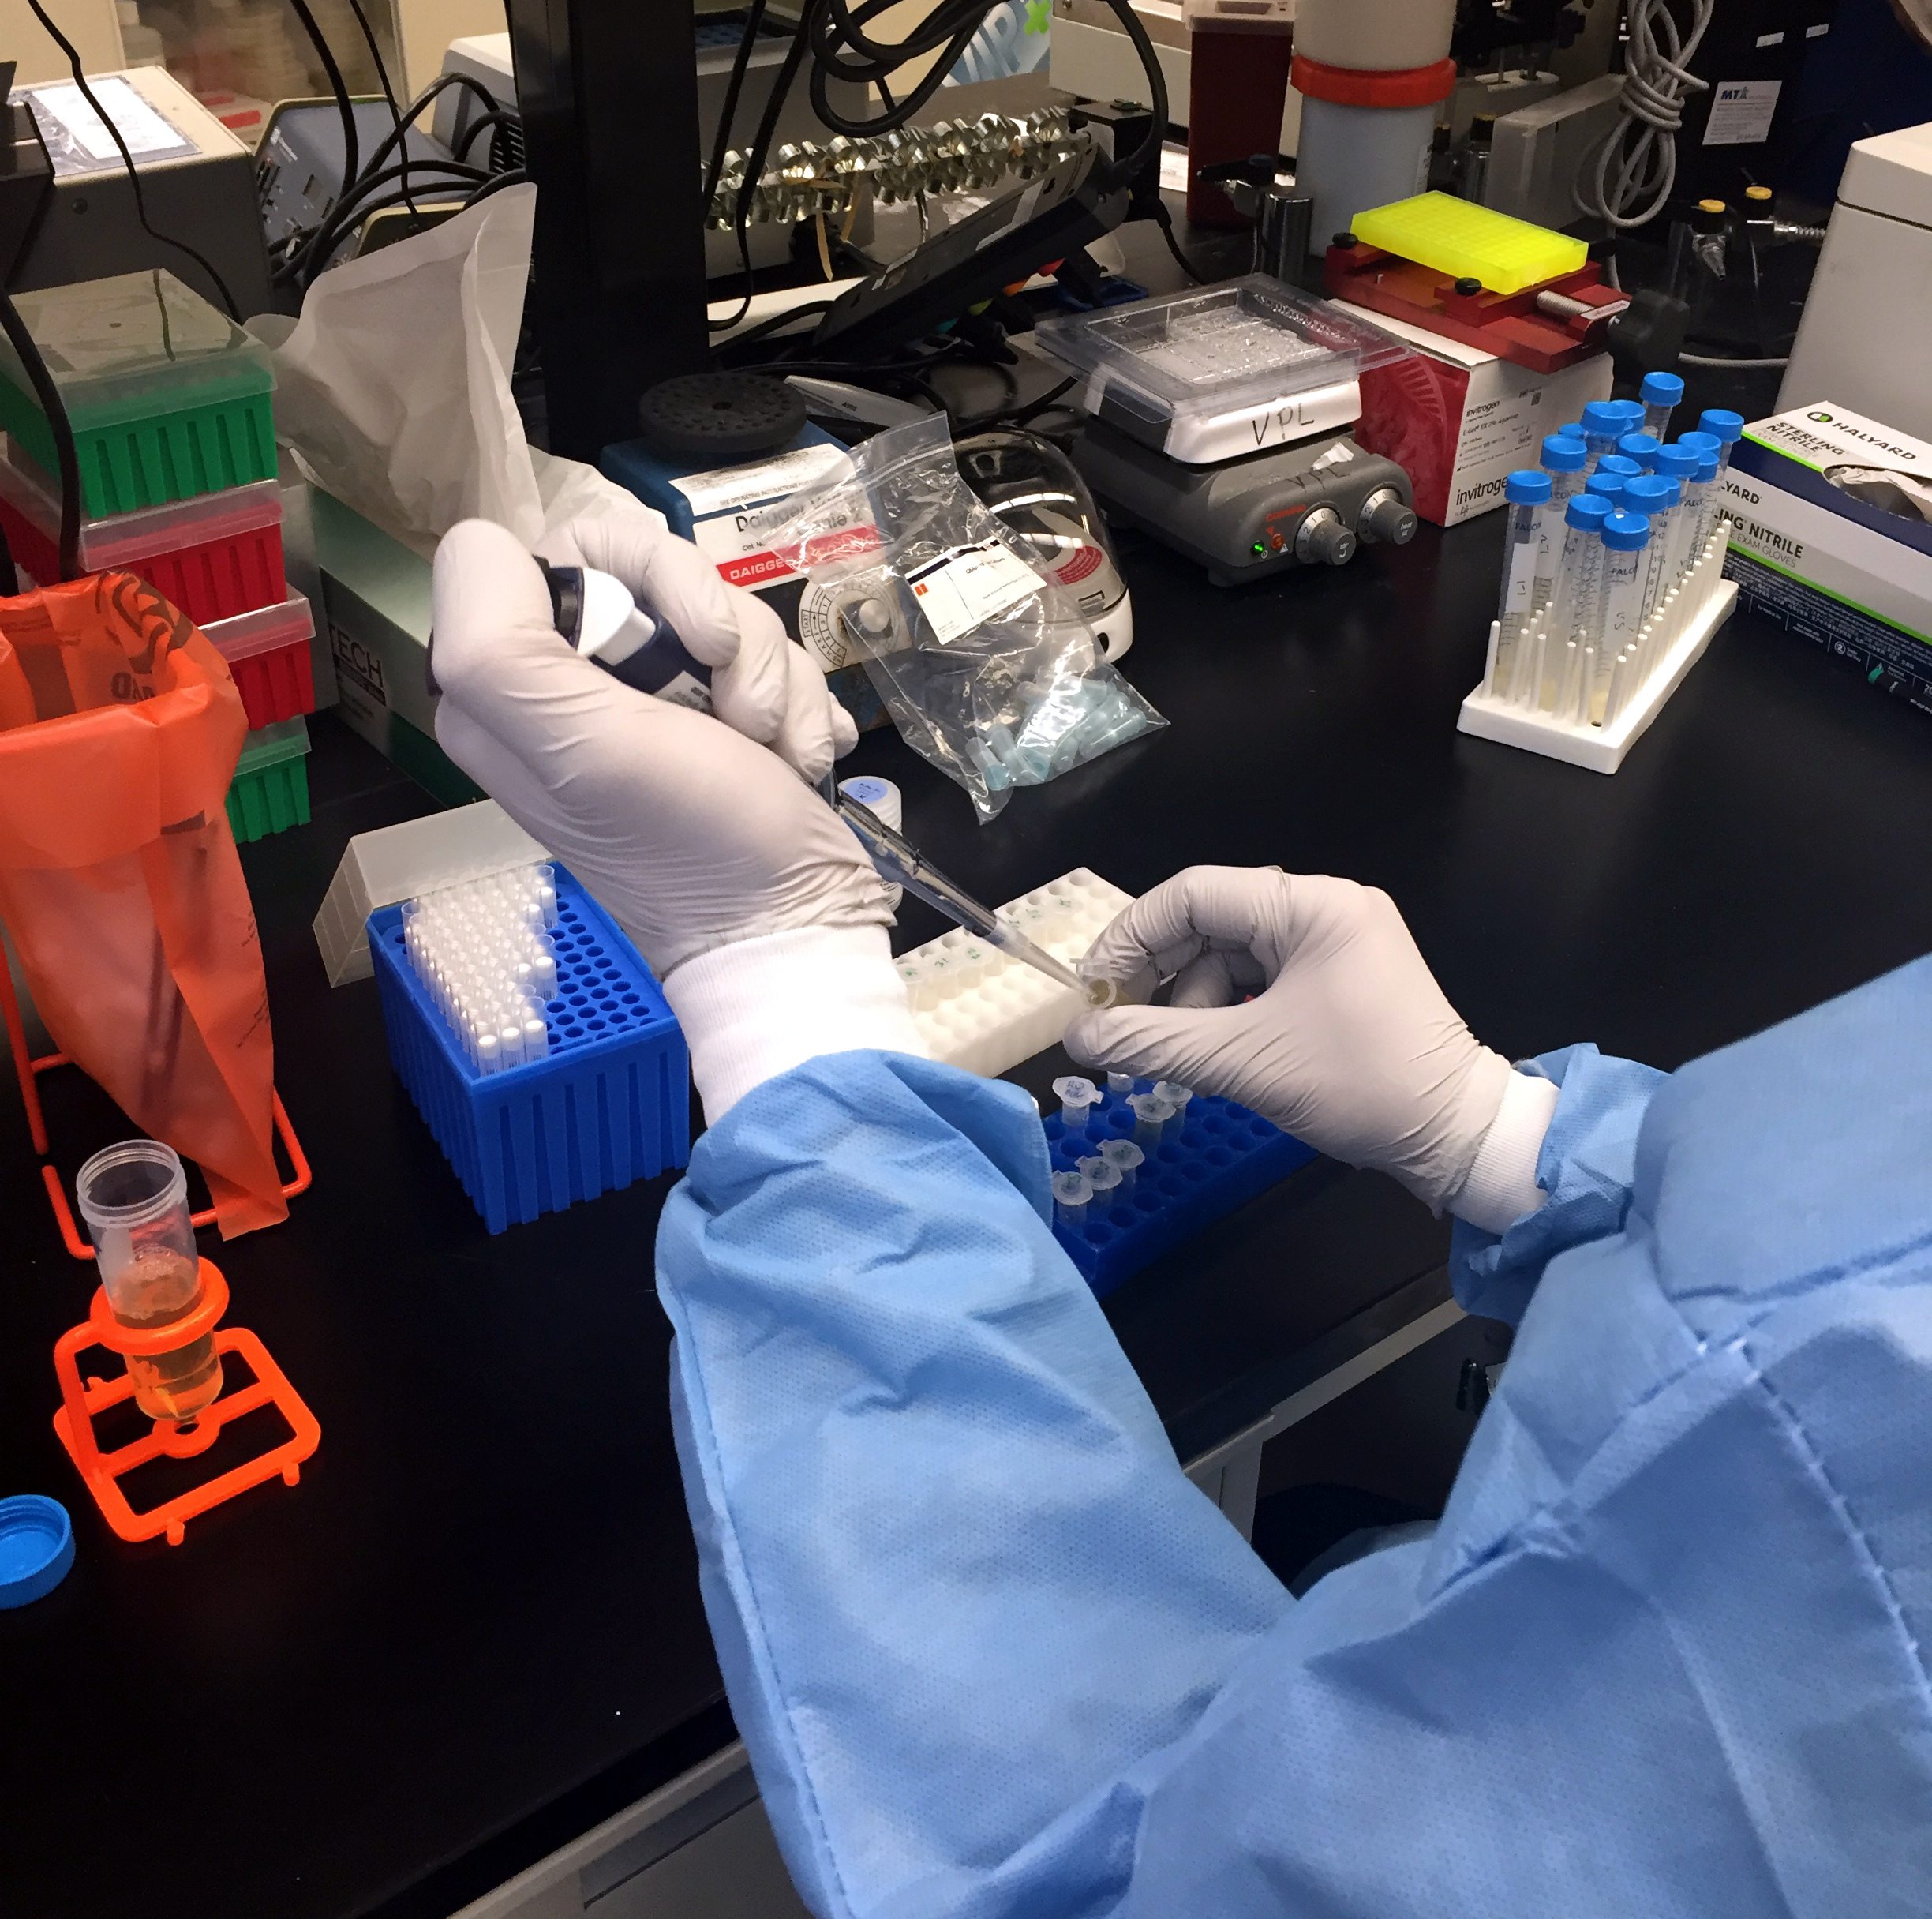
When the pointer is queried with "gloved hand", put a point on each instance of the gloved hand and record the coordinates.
(762, 683)
(1350, 1044)
(699, 840)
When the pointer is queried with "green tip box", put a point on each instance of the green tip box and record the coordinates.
(269, 792)
(166, 396)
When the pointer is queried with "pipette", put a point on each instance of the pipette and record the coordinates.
(597, 615)
(902, 864)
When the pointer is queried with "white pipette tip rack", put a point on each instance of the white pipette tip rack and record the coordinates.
(1670, 643)
(483, 951)
(978, 1009)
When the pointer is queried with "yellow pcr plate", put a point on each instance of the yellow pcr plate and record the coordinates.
(1456, 237)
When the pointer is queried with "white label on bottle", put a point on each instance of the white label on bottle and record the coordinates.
(1741, 111)
(968, 585)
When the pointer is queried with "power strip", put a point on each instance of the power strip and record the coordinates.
(978, 1009)
(1672, 642)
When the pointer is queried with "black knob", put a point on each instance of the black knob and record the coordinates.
(1323, 540)
(1387, 517)
(1468, 286)
(1346, 239)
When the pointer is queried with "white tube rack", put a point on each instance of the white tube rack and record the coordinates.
(977, 1008)
(1669, 644)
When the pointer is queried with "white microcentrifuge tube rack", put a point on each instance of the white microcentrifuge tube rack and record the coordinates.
(1670, 643)
(976, 1008)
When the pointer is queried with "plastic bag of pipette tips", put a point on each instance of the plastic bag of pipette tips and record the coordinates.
(985, 664)
(393, 387)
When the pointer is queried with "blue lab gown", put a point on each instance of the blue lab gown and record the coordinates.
(993, 1655)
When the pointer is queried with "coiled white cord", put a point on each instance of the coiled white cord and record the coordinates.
(1627, 178)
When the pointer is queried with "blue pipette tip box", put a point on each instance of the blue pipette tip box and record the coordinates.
(608, 1106)
(1221, 1159)
(36, 1547)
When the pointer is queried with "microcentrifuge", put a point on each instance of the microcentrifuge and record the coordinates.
(1218, 422)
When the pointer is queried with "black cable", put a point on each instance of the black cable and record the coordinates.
(297, 269)
(1164, 220)
(514, 176)
(347, 208)
(502, 117)
(754, 159)
(382, 76)
(351, 151)
(127, 160)
(777, 322)
(741, 62)
(55, 408)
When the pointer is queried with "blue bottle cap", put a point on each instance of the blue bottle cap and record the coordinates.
(1626, 533)
(1661, 389)
(1606, 486)
(1561, 454)
(1602, 420)
(1620, 462)
(1632, 410)
(1707, 467)
(1588, 510)
(1526, 487)
(1573, 430)
(1681, 463)
(1651, 492)
(36, 1547)
(1719, 420)
(1705, 443)
(1641, 447)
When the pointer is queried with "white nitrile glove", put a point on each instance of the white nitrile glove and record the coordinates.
(762, 683)
(746, 894)
(1349, 1044)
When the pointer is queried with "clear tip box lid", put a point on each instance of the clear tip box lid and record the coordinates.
(136, 345)
(1182, 360)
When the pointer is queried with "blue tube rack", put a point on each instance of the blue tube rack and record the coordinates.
(610, 1104)
(1219, 1160)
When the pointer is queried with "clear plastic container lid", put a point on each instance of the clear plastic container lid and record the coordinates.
(134, 346)
(242, 635)
(268, 745)
(110, 543)
(1235, 349)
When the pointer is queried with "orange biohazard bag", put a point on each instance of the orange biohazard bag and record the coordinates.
(120, 728)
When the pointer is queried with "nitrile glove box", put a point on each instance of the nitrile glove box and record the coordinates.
(1832, 538)
(375, 604)
(1459, 421)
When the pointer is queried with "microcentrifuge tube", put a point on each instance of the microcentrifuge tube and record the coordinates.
(1078, 1097)
(1072, 1194)
(1104, 1179)
(1175, 1094)
(1151, 1113)
(1120, 1085)
(1126, 1159)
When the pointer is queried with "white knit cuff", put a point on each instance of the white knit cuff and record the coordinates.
(757, 1008)
(1501, 1186)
